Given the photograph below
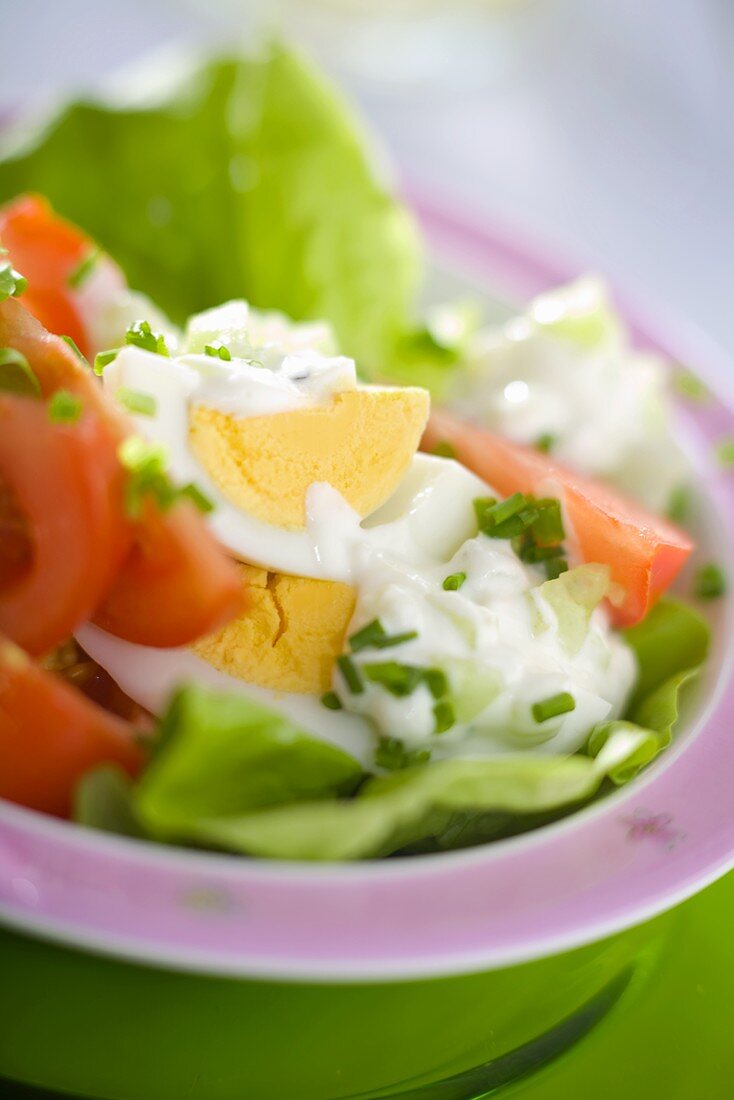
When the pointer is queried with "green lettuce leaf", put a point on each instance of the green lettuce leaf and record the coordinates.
(103, 800)
(672, 638)
(245, 177)
(221, 755)
(396, 810)
(230, 774)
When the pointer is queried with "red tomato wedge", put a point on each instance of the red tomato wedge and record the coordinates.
(175, 586)
(645, 553)
(176, 582)
(47, 250)
(50, 735)
(63, 486)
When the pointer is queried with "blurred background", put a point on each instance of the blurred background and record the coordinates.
(602, 127)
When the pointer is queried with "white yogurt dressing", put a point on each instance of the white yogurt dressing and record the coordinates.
(566, 370)
(497, 639)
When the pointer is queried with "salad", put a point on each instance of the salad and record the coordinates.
(286, 568)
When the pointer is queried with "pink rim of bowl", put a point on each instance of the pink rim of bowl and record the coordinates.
(606, 868)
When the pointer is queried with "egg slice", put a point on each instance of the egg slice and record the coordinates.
(360, 442)
(291, 634)
(257, 439)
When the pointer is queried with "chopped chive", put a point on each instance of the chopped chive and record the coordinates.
(505, 509)
(690, 386)
(218, 350)
(444, 716)
(141, 335)
(102, 358)
(142, 404)
(392, 755)
(12, 283)
(17, 375)
(481, 507)
(554, 567)
(437, 682)
(679, 505)
(725, 453)
(548, 529)
(528, 552)
(453, 582)
(331, 701)
(553, 706)
(351, 676)
(444, 449)
(374, 636)
(545, 442)
(399, 680)
(74, 347)
(199, 499)
(64, 408)
(710, 582)
(84, 269)
(515, 525)
(147, 476)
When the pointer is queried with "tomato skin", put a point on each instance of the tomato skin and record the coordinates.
(175, 586)
(645, 553)
(68, 485)
(143, 589)
(46, 249)
(50, 735)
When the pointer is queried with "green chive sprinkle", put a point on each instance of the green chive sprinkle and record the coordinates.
(351, 676)
(17, 375)
(374, 636)
(548, 529)
(444, 449)
(437, 682)
(74, 347)
(690, 386)
(12, 283)
(218, 351)
(199, 499)
(444, 716)
(679, 505)
(392, 755)
(141, 335)
(102, 358)
(545, 442)
(725, 453)
(553, 706)
(146, 466)
(710, 582)
(399, 680)
(453, 582)
(554, 567)
(84, 269)
(142, 404)
(331, 701)
(482, 506)
(64, 408)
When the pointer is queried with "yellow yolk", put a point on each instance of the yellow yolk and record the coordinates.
(290, 635)
(361, 442)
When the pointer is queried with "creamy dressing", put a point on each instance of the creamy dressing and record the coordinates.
(567, 373)
(500, 643)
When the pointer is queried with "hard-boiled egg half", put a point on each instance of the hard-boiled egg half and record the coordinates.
(377, 611)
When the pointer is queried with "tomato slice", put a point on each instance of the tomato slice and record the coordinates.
(645, 553)
(66, 484)
(46, 249)
(175, 586)
(50, 735)
(177, 582)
